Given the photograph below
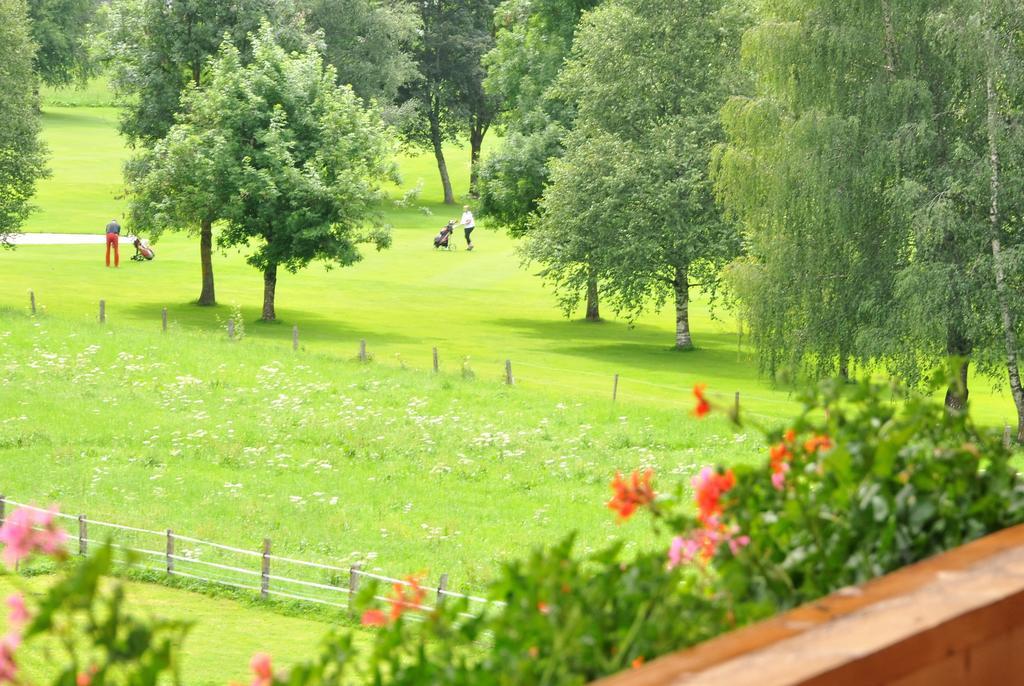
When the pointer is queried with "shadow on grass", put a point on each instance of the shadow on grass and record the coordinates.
(640, 347)
(313, 327)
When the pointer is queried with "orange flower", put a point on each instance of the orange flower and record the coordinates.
(789, 436)
(404, 597)
(638, 663)
(543, 608)
(817, 443)
(703, 406)
(780, 455)
(709, 487)
(631, 495)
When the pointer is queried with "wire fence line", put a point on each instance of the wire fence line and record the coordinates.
(612, 379)
(258, 571)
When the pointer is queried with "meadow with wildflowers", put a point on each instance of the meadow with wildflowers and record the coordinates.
(335, 461)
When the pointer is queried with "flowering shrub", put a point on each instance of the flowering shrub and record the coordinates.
(855, 487)
(99, 641)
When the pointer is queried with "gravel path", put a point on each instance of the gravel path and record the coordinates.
(64, 239)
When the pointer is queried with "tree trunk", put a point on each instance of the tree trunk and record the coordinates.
(1009, 323)
(844, 367)
(442, 166)
(207, 295)
(593, 306)
(958, 346)
(681, 285)
(477, 131)
(269, 291)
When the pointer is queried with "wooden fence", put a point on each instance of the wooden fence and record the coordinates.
(258, 570)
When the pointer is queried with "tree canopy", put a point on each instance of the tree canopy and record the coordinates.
(533, 41)
(289, 162)
(22, 153)
(62, 31)
(648, 79)
(449, 98)
(368, 42)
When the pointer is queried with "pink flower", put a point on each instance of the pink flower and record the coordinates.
(738, 543)
(8, 667)
(260, 666)
(28, 531)
(779, 480)
(19, 613)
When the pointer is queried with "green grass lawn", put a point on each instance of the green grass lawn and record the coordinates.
(219, 646)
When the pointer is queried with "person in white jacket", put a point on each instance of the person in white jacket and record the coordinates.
(469, 223)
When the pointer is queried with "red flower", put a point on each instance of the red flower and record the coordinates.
(703, 406)
(710, 486)
(374, 618)
(630, 495)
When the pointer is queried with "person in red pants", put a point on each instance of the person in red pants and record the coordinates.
(113, 236)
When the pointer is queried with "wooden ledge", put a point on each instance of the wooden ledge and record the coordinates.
(956, 618)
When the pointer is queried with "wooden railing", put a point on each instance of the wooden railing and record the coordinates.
(955, 619)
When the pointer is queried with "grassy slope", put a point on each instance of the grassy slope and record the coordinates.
(218, 649)
(334, 461)
(404, 301)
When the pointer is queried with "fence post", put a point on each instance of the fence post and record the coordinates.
(362, 350)
(103, 311)
(442, 586)
(437, 366)
(508, 373)
(163, 319)
(231, 329)
(32, 300)
(353, 583)
(265, 571)
(615, 388)
(1007, 437)
(83, 536)
(170, 552)
(3, 509)
(736, 405)
(295, 337)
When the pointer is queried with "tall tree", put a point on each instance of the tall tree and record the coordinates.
(810, 160)
(62, 30)
(869, 172)
(21, 152)
(534, 39)
(649, 78)
(159, 48)
(977, 170)
(289, 161)
(368, 42)
(449, 95)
